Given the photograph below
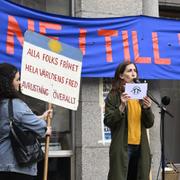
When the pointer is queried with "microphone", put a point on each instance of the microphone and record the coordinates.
(165, 100)
(135, 80)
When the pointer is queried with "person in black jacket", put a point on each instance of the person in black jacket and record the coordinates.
(128, 120)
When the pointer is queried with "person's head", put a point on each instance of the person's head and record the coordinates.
(9, 81)
(126, 72)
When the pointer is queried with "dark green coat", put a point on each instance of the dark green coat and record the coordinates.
(118, 155)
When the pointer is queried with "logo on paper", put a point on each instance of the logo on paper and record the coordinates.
(136, 90)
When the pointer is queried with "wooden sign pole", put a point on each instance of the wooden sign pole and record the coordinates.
(47, 147)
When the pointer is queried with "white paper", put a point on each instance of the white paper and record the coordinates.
(136, 90)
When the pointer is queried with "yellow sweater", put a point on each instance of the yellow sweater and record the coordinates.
(134, 122)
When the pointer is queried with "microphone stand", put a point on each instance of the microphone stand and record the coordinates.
(163, 111)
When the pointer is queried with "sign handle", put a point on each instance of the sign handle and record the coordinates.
(47, 146)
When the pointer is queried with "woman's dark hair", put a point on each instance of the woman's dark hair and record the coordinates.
(7, 75)
(117, 83)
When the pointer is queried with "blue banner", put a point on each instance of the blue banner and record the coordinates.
(152, 43)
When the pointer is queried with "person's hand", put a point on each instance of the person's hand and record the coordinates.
(146, 102)
(124, 99)
(49, 131)
(47, 114)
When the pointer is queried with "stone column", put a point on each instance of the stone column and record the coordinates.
(151, 8)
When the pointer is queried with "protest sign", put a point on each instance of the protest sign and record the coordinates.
(51, 70)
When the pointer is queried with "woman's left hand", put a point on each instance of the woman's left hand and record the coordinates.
(146, 102)
(49, 131)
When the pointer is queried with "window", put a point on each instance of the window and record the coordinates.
(62, 7)
(169, 11)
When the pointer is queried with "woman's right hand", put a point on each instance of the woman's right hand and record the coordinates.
(46, 114)
(124, 99)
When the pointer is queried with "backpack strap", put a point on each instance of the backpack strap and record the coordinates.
(11, 119)
(10, 110)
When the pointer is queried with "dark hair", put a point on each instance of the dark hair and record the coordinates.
(117, 83)
(7, 75)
